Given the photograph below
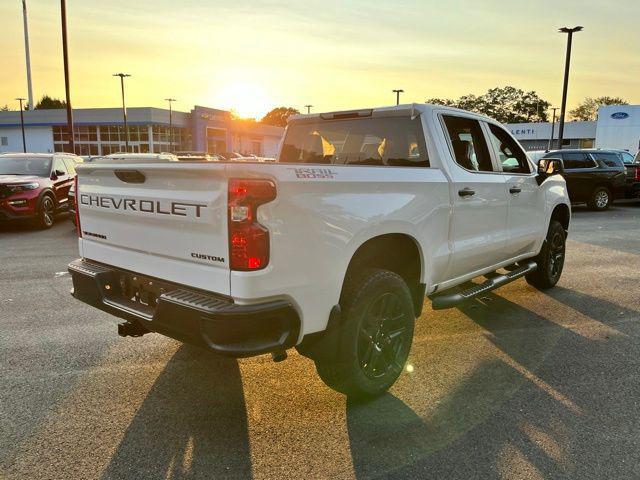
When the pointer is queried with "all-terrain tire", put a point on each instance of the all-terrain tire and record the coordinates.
(550, 260)
(374, 338)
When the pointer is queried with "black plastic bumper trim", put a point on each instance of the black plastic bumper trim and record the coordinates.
(191, 316)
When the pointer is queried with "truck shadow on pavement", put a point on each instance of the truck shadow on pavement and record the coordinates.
(533, 408)
(192, 423)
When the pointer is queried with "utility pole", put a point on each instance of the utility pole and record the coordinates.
(24, 141)
(27, 54)
(170, 100)
(569, 32)
(65, 55)
(553, 127)
(308, 107)
(398, 92)
(124, 109)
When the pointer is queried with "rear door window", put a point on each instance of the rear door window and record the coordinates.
(509, 154)
(577, 160)
(467, 141)
(381, 141)
(609, 159)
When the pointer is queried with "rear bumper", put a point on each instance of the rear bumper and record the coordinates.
(192, 316)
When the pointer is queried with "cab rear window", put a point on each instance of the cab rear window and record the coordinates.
(386, 141)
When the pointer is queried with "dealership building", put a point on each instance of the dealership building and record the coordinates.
(617, 126)
(100, 131)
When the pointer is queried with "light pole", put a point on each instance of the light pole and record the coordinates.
(553, 127)
(170, 100)
(398, 92)
(67, 88)
(24, 141)
(124, 109)
(26, 53)
(569, 32)
(308, 107)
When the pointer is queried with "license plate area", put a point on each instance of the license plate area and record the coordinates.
(137, 291)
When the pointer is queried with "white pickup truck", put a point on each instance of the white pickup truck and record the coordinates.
(332, 249)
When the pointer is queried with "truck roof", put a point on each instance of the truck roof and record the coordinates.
(408, 108)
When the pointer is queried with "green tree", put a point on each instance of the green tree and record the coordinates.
(49, 103)
(278, 116)
(588, 109)
(505, 104)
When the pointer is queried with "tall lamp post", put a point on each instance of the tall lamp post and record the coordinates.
(553, 128)
(26, 53)
(67, 88)
(24, 141)
(569, 32)
(124, 109)
(308, 107)
(170, 100)
(398, 92)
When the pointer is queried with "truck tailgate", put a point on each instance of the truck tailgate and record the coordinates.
(165, 220)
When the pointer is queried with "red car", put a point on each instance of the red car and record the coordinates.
(35, 186)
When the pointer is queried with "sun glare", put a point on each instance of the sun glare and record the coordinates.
(247, 100)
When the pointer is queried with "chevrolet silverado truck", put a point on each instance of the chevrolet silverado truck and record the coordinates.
(332, 249)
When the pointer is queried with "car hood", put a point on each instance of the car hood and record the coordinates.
(9, 179)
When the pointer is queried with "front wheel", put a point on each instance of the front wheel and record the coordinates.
(550, 260)
(375, 336)
(600, 199)
(46, 213)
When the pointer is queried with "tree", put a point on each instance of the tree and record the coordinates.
(48, 103)
(5, 108)
(278, 116)
(588, 109)
(507, 105)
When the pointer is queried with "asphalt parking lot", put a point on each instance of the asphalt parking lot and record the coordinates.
(519, 384)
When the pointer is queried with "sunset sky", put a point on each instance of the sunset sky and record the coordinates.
(333, 54)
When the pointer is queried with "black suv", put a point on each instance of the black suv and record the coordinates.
(595, 177)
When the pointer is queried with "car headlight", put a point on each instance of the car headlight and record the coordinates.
(23, 187)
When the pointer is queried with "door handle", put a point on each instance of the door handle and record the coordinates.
(514, 190)
(466, 192)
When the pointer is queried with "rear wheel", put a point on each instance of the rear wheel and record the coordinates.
(375, 336)
(600, 199)
(550, 260)
(46, 212)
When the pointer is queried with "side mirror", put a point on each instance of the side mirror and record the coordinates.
(548, 167)
(57, 173)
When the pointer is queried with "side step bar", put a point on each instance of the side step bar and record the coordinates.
(442, 301)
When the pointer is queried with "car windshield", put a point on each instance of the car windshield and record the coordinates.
(38, 166)
(394, 141)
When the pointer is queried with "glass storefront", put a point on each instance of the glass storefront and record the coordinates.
(106, 139)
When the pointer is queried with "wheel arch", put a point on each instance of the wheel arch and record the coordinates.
(396, 252)
(561, 213)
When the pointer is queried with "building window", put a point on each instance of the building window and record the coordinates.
(4, 141)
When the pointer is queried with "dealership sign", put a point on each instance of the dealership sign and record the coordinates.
(619, 115)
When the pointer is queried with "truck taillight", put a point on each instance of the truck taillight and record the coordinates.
(248, 239)
(76, 194)
(638, 173)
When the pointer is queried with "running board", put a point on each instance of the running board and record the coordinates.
(442, 301)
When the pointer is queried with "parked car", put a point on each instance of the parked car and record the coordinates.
(35, 186)
(595, 177)
(333, 248)
(632, 165)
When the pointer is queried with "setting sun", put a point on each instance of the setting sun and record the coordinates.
(247, 100)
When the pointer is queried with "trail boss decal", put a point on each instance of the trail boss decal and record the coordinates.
(314, 172)
(181, 209)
